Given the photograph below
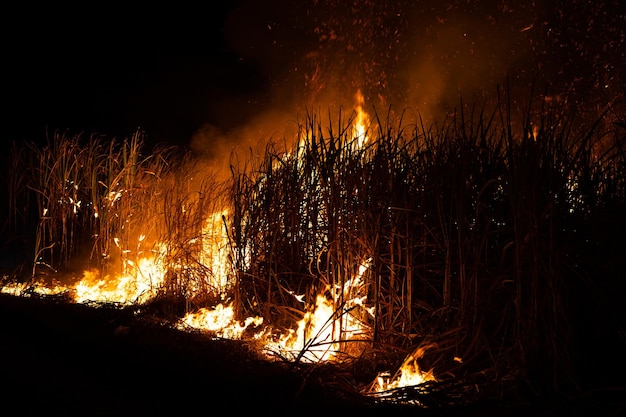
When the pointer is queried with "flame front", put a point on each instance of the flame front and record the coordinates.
(220, 320)
(362, 121)
(335, 325)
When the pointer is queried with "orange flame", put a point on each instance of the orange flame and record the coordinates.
(321, 333)
(220, 320)
(361, 123)
(340, 315)
(409, 374)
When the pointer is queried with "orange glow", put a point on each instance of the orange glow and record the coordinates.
(220, 320)
(136, 286)
(409, 374)
(361, 123)
(215, 250)
(535, 132)
(336, 325)
(322, 331)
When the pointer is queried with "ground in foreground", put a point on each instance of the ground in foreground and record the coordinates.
(60, 358)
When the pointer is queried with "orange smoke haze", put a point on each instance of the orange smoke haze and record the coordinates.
(363, 61)
(402, 55)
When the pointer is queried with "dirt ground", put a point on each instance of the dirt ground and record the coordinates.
(67, 359)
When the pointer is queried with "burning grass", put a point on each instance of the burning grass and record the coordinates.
(479, 253)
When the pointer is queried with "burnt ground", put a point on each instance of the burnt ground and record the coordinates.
(61, 358)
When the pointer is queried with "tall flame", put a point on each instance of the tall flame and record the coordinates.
(333, 325)
(361, 122)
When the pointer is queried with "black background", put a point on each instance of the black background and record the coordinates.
(114, 70)
(171, 69)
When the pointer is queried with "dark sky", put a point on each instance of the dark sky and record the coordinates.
(180, 69)
(114, 70)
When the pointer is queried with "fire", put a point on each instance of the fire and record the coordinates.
(323, 331)
(336, 323)
(360, 125)
(215, 250)
(220, 320)
(420, 275)
(409, 374)
(135, 287)
(138, 284)
(19, 289)
(361, 122)
(320, 332)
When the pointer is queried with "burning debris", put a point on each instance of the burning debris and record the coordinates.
(437, 254)
(336, 326)
(327, 252)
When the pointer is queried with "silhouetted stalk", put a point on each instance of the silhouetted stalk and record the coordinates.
(483, 236)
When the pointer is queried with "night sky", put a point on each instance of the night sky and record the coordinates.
(193, 74)
(215, 76)
(114, 70)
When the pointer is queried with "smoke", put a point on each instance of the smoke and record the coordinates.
(424, 56)
(221, 149)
